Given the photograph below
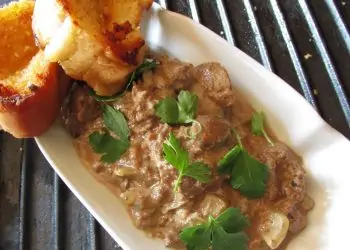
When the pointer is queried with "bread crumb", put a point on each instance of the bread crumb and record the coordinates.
(310, 40)
(222, 33)
(307, 56)
(315, 91)
(255, 8)
(343, 3)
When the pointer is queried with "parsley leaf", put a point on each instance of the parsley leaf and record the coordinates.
(198, 171)
(148, 64)
(179, 159)
(222, 233)
(115, 121)
(174, 153)
(180, 111)
(187, 106)
(101, 98)
(248, 175)
(110, 148)
(168, 110)
(197, 237)
(227, 163)
(258, 126)
(232, 220)
(222, 240)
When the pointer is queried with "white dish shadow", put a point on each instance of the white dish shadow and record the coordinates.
(326, 153)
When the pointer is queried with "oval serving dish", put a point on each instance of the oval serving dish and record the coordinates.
(326, 153)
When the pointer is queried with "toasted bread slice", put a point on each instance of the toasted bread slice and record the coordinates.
(29, 87)
(17, 46)
(97, 41)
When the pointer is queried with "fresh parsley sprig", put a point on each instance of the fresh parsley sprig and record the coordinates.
(115, 121)
(179, 159)
(221, 233)
(110, 148)
(248, 175)
(257, 126)
(147, 65)
(180, 111)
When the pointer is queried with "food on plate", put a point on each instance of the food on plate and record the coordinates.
(97, 41)
(194, 164)
(30, 93)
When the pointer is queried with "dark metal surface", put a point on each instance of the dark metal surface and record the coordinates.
(306, 42)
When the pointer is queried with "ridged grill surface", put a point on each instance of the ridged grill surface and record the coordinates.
(306, 42)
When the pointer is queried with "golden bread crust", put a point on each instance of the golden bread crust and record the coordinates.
(16, 37)
(30, 92)
(100, 42)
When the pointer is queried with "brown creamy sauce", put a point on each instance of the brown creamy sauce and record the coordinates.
(144, 180)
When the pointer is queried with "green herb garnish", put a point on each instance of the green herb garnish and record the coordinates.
(221, 233)
(115, 121)
(180, 111)
(110, 148)
(104, 143)
(168, 111)
(148, 64)
(248, 175)
(179, 159)
(101, 98)
(258, 126)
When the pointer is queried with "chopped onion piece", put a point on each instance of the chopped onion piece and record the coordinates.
(128, 197)
(211, 205)
(276, 230)
(124, 171)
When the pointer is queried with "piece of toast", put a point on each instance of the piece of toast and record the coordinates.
(30, 93)
(96, 41)
(17, 45)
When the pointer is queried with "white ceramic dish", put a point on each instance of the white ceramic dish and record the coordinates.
(326, 153)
